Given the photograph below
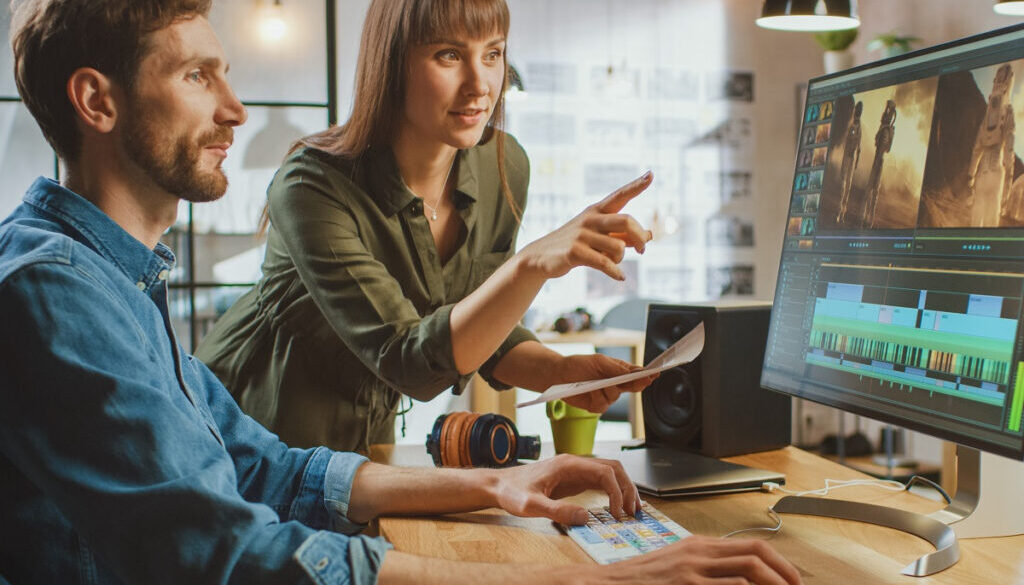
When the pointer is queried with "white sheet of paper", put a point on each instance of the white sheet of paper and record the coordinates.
(681, 352)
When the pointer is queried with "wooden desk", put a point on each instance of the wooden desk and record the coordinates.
(833, 552)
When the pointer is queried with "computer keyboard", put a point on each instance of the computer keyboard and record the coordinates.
(608, 539)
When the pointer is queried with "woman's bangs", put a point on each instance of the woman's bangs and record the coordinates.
(441, 20)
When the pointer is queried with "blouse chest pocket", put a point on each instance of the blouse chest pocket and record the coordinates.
(483, 267)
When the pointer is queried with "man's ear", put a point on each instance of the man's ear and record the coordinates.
(92, 96)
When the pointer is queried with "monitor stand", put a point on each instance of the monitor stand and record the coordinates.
(999, 480)
(967, 516)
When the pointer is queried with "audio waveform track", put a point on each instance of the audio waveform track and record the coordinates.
(955, 338)
(949, 362)
(948, 365)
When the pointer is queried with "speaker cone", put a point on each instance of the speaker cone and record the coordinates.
(672, 406)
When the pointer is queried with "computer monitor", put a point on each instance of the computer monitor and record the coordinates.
(901, 283)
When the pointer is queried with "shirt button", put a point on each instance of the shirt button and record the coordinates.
(163, 275)
(140, 285)
(322, 564)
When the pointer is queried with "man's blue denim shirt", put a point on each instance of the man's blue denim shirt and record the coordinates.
(123, 459)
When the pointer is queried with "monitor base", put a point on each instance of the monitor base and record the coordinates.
(969, 515)
(940, 535)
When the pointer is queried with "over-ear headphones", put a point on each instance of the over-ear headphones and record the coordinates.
(466, 439)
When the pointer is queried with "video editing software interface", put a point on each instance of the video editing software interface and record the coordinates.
(902, 276)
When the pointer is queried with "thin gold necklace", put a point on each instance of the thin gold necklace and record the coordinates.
(433, 208)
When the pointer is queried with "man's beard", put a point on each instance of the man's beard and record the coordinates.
(174, 165)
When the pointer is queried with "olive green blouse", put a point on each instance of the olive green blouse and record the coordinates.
(354, 304)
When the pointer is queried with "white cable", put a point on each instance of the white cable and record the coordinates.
(776, 528)
(834, 484)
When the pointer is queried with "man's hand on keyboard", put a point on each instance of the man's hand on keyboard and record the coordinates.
(536, 489)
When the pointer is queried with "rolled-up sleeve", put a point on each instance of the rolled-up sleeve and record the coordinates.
(341, 472)
(327, 560)
(519, 335)
(319, 555)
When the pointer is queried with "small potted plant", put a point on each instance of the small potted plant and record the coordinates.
(836, 44)
(892, 44)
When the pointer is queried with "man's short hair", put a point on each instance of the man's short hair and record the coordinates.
(53, 38)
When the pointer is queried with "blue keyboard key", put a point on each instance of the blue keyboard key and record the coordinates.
(586, 534)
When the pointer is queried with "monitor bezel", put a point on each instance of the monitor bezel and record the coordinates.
(916, 53)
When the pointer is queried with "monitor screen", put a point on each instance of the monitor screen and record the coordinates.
(900, 288)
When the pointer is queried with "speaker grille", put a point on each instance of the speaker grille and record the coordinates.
(672, 404)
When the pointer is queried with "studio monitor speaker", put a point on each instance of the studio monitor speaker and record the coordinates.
(715, 404)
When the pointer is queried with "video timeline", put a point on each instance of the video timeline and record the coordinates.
(941, 339)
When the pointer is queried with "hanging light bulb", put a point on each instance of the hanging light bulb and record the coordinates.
(1010, 7)
(273, 27)
(809, 15)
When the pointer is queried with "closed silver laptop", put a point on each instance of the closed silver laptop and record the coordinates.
(666, 472)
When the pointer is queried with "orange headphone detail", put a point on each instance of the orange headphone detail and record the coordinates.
(466, 439)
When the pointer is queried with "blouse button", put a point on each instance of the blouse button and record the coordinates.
(140, 285)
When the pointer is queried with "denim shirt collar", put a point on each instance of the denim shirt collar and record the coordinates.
(143, 266)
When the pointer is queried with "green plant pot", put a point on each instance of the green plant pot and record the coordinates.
(573, 428)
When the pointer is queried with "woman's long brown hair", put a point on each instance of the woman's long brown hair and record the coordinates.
(391, 28)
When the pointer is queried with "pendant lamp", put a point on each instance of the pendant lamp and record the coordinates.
(809, 15)
(1011, 7)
